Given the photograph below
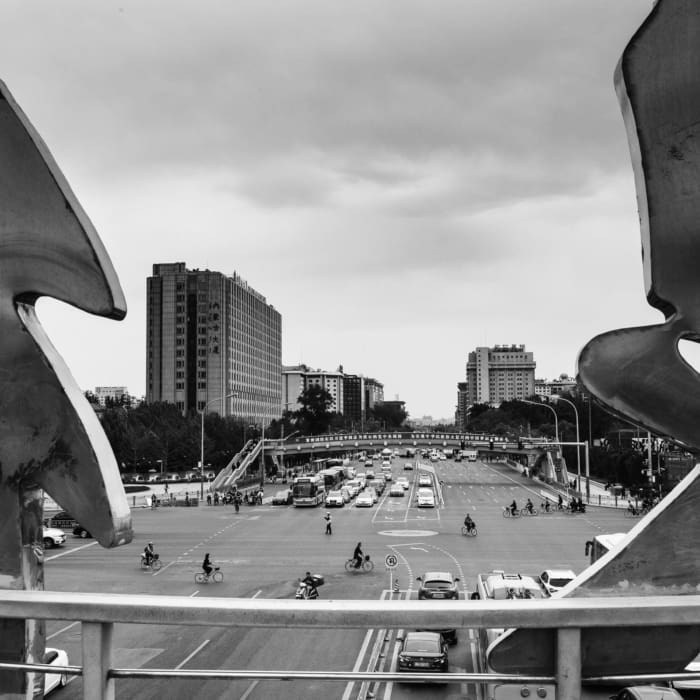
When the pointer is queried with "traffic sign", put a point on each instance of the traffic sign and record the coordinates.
(391, 561)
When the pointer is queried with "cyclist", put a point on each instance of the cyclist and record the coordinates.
(207, 565)
(546, 506)
(513, 508)
(358, 555)
(310, 581)
(149, 553)
(631, 508)
(469, 523)
(529, 506)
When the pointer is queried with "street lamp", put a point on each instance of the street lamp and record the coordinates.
(201, 452)
(555, 398)
(546, 405)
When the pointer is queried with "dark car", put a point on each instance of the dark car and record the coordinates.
(437, 585)
(80, 531)
(423, 651)
(65, 521)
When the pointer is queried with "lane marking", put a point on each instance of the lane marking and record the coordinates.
(61, 631)
(70, 551)
(163, 568)
(192, 595)
(196, 651)
(250, 689)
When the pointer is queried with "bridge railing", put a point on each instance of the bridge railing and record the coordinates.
(98, 614)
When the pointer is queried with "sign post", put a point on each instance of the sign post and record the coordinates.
(391, 562)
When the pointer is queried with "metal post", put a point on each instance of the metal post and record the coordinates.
(588, 474)
(569, 663)
(97, 660)
(201, 457)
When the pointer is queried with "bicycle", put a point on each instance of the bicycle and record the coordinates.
(155, 564)
(526, 511)
(469, 531)
(365, 568)
(217, 576)
(508, 513)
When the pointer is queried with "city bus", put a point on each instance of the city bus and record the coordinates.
(308, 491)
(333, 478)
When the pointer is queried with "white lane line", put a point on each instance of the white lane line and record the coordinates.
(62, 630)
(250, 689)
(155, 573)
(358, 663)
(70, 551)
(192, 595)
(196, 651)
(258, 593)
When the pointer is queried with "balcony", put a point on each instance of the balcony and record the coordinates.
(567, 617)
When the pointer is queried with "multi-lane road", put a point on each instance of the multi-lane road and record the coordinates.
(263, 550)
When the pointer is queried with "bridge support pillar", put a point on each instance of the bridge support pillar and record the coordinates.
(97, 661)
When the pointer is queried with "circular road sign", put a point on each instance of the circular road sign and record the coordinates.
(391, 561)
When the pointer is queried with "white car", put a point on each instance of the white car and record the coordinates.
(335, 498)
(425, 480)
(425, 498)
(555, 579)
(396, 490)
(404, 482)
(364, 500)
(407, 466)
(388, 476)
(373, 493)
(53, 537)
(54, 657)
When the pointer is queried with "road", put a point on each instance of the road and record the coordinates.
(262, 552)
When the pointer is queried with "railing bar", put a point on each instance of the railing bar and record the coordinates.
(43, 668)
(326, 676)
(643, 677)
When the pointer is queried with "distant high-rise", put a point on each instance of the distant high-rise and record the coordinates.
(210, 337)
(500, 373)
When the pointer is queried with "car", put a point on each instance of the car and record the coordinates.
(647, 692)
(425, 498)
(80, 531)
(407, 466)
(404, 482)
(364, 500)
(442, 457)
(61, 520)
(388, 476)
(423, 651)
(379, 486)
(555, 579)
(369, 475)
(53, 537)
(51, 681)
(346, 493)
(361, 477)
(396, 490)
(425, 480)
(386, 463)
(368, 462)
(373, 493)
(353, 488)
(335, 498)
(437, 585)
(282, 498)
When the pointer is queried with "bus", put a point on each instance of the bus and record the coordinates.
(308, 491)
(602, 544)
(332, 477)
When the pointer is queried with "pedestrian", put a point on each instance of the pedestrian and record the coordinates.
(187, 499)
(166, 487)
(216, 498)
(208, 499)
(329, 529)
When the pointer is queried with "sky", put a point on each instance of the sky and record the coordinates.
(403, 180)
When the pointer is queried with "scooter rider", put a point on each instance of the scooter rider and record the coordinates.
(358, 555)
(149, 553)
(529, 506)
(469, 523)
(311, 583)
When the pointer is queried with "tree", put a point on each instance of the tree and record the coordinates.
(391, 415)
(314, 416)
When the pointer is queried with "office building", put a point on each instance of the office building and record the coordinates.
(563, 385)
(213, 344)
(500, 373)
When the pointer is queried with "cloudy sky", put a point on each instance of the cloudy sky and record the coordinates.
(404, 180)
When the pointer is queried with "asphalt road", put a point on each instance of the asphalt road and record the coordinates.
(263, 550)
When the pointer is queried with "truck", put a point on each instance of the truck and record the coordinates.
(470, 455)
(502, 586)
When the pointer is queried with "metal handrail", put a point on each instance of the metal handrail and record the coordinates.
(98, 612)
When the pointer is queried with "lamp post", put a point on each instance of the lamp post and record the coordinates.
(555, 398)
(546, 405)
(201, 451)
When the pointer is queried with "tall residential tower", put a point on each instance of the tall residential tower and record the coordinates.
(213, 344)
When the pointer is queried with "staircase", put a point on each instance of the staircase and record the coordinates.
(233, 471)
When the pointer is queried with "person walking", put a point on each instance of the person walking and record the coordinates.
(329, 529)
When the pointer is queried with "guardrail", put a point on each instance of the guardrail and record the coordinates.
(100, 612)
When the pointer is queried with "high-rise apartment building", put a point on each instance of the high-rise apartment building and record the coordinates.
(213, 344)
(500, 373)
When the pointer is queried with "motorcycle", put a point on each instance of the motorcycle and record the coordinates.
(306, 591)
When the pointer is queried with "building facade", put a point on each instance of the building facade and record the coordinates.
(213, 343)
(115, 393)
(563, 385)
(500, 373)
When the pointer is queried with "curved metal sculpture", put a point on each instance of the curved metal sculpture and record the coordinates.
(639, 373)
(50, 437)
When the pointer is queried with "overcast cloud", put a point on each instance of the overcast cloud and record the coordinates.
(403, 180)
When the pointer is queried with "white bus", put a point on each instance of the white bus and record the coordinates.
(308, 491)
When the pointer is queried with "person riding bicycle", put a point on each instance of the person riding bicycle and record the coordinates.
(529, 506)
(358, 555)
(310, 581)
(149, 553)
(513, 508)
(631, 508)
(469, 523)
(207, 565)
(545, 506)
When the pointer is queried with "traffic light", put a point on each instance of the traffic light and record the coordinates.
(463, 444)
(490, 444)
(520, 444)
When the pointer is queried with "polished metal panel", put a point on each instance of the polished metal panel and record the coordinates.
(50, 437)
